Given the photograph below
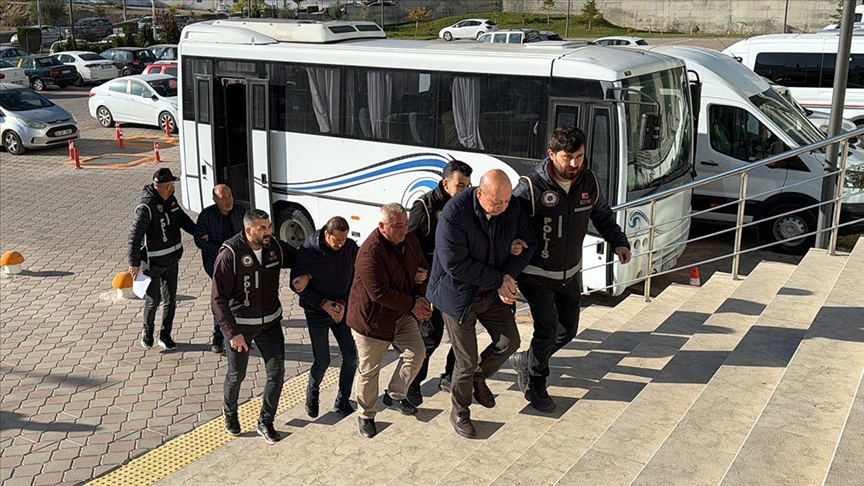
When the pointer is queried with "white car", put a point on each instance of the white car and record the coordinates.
(620, 41)
(148, 99)
(467, 29)
(92, 68)
(10, 73)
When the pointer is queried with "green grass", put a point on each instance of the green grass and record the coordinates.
(846, 243)
(578, 29)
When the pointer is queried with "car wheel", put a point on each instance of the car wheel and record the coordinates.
(448, 36)
(79, 81)
(13, 144)
(37, 84)
(293, 227)
(478, 34)
(125, 72)
(779, 226)
(104, 116)
(165, 118)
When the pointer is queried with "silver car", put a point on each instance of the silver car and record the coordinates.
(29, 121)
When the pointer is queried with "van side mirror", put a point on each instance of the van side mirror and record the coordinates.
(649, 132)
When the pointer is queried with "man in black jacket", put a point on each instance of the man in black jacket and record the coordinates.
(154, 239)
(327, 258)
(245, 301)
(560, 197)
(216, 224)
(423, 221)
(473, 279)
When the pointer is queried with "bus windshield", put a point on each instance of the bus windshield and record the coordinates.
(672, 158)
(787, 118)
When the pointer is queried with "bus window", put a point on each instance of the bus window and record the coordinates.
(567, 116)
(600, 147)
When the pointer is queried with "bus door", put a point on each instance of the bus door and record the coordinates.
(258, 130)
(205, 164)
(595, 119)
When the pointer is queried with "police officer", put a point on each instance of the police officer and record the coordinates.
(422, 221)
(154, 239)
(245, 301)
(560, 197)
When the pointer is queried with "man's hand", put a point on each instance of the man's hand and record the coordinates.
(301, 282)
(334, 309)
(134, 271)
(422, 309)
(517, 246)
(422, 273)
(624, 255)
(205, 238)
(238, 344)
(508, 290)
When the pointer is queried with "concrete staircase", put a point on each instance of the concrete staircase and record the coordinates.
(750, 382)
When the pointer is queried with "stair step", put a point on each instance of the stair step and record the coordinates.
(643, 426)
(794, 439)
(704, 443)
(848, 466)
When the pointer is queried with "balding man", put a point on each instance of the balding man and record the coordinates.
(474, 279)
(216, 224)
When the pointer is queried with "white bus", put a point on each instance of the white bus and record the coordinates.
(308, 120)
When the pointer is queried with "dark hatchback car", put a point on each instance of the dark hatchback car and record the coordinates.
(45, 71)
(130, 60)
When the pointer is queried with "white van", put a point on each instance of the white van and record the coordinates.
(742, 120)
(805, 64)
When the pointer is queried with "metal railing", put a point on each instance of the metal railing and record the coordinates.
(742, 173)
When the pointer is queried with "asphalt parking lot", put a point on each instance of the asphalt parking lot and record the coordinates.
(78, 395)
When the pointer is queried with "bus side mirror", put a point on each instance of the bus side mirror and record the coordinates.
(649, 132)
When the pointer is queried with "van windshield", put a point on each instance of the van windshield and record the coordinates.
(787, 118)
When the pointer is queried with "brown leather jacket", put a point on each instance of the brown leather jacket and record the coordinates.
(384, 289)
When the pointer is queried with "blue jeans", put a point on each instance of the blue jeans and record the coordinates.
(319, 325)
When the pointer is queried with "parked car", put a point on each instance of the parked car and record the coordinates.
(162, 67)
(92, 68)
(149, 99)
(620, 41)
(45, 71)
(129, 60)
(511, 36)
(146, 20)
(91, 28)
(467, 29)
(111, 39)
(547, 35)
(12, 54)
(50, 34)
(10, 73)
(30, 121)
(164, 52)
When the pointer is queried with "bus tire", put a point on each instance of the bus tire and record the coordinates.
(293, 227)
(775, 229)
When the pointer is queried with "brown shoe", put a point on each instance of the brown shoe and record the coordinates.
(463, 426)
(483, 394)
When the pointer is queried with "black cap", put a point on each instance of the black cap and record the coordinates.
(164, 175)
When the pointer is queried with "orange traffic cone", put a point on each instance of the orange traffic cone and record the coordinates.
(122, 144)
(156, 152)
(694, 277)
(76, 158)
(71, 150)
(168, 127)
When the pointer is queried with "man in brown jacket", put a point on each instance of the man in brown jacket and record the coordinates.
(385, 304)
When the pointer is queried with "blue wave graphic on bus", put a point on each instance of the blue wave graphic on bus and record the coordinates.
(428, 184)
(637, 215)
(431, 163)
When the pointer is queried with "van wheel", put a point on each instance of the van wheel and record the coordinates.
(776, 229)
(448, 36)
(293, 227)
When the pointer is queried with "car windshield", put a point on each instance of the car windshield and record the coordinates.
(144, 55)
(47, 61)
(165, 87)
(672, 157)
(91, 57)
(22, 100)
(787, 118)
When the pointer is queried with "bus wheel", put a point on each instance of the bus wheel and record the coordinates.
(788, 226)
(293, 227)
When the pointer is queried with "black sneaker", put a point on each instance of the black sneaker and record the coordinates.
(444, 382)
(404, 406)
(269, 433)
(414, 396)
(367, 427)
(232, 424)
(540, 400)
(519, 362)
(311, 404)
(218, 348)
(167, 343)
(146, 340)
(344, 408)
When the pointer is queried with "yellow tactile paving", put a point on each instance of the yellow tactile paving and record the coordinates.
(188, 448)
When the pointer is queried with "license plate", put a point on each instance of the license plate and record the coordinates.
(66, 71)
(63, 132)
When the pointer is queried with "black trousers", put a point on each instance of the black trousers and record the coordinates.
(498, 320)
(555, 309)
(271, 343)
(432, 331)
(162, 289)
(218, 338)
